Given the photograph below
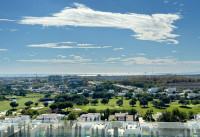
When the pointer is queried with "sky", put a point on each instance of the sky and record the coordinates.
(99, 36)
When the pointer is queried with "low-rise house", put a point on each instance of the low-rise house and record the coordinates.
(121, 117)
(73, 91)
(86, 90)
(193, 95)
(49, 117)
(152, 90)
(17, 119)
(90, 117)
(138, 90)
(111, 91)
(62, 88)
(121, 94)
(170, 90)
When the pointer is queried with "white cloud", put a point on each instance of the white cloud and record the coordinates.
(118, 48)
(155, 27)
(174, 51)
(141, 54)
(7, 59)
(6, 20)
(76, 59)
(13, 29)
(157, 61)
(84, 44)
(111, 59)
(61, 56)
(144, 60)
(3, 49)
(46, 45)
(61, 45)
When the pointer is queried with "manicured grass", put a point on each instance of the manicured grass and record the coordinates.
(5, 105)
(112, 105)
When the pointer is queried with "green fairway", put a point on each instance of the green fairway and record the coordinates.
(112, 105)
(5, 105)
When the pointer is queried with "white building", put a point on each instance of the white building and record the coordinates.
(62, 88)
(152, 90)
(138, 90)
(90, 117)
(170, 90)
(111, 91)
(17, 119)
(194, 95)
(49, 117)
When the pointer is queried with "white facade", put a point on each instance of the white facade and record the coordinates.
(152, 90)
(49, 117)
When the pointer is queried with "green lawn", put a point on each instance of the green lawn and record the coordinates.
(5, 105)
(112, 105)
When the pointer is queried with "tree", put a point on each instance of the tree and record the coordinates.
(28, 103)
(119, 102)
(195, 102)
(132, 102)
(94, 101)
(14, 104)
(172, 98)
(53, 107)
(155, 104)
(46, 104)
(133, 112)
(92, 110)
(36, 104)
(104, 101)
(187, 103)
(182, 101)
(128, 95)
(178, 116)
(71, 116)
(148, 115)
(48, 95)
(161, 104)
(165, 117)
(143, 102)
(191, 114)
(68, 105)
(138, 96)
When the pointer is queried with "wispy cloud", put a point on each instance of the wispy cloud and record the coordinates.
(112, 59)
(118, 48)
(61, 56)
(85, 44)
(3, 49)
(157, 61)
(6, 20)
(76, 59)
(13, 29)
(62, 45)
(174, 51)
(155, 27)
(144, 60)
(141, 54)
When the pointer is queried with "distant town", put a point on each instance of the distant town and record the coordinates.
(99, 101)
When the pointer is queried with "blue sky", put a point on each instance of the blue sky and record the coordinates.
(99, 36)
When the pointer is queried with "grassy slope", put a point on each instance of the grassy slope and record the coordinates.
(5, 105)
(112, 104)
